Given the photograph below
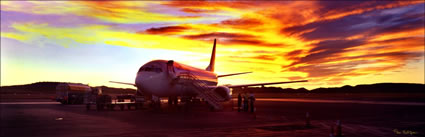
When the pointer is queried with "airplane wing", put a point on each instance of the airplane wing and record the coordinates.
(123, 83)
(262, 84)
(232, 74)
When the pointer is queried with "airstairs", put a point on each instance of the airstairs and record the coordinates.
(202, 89)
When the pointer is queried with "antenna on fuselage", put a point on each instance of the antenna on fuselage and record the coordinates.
(212, 60)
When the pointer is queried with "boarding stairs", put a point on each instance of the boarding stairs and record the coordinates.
(202, 89)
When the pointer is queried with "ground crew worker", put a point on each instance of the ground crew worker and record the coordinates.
(252, 100)
(239, 102)
(245, 102)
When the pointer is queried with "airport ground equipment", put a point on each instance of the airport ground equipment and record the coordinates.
(72, 93)
(107, 102)
(90, 99)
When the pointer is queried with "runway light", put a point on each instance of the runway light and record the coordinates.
(59, 118)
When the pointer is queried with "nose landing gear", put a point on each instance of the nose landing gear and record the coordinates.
(172, 101)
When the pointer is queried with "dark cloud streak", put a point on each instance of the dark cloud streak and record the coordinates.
(372, 23)
(166, 30)
(233, 38)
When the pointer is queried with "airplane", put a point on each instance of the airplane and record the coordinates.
(167, 78)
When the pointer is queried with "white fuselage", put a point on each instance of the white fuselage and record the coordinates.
(154, 78)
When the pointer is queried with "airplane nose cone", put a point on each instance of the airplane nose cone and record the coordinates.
(153, 83)
(138, 83)
(141, 80)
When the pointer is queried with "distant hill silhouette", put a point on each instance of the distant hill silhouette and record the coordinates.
(50, 88)
(372, 88)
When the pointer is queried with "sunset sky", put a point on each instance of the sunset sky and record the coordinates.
(329, 43)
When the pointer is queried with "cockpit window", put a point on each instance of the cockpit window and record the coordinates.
(141, 69)
(150, 69)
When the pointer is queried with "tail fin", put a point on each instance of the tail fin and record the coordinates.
(212, 60)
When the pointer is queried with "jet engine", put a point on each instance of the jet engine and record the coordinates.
(223, 92)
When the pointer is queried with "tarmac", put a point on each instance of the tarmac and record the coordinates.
(272, 118)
